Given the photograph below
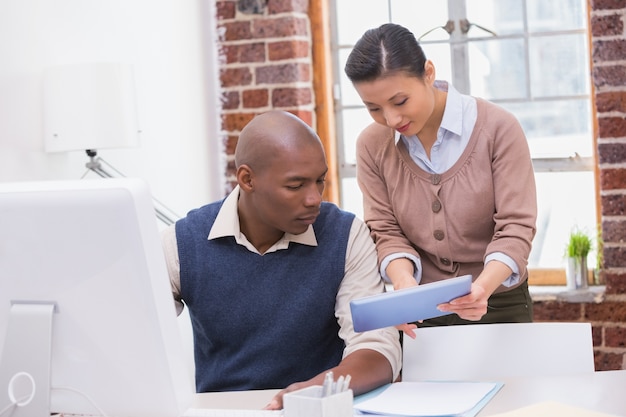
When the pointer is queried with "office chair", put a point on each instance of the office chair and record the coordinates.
(494, 351)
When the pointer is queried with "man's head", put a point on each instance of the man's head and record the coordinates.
(281, 168)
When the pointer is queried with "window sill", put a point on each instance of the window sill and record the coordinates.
(591, 294)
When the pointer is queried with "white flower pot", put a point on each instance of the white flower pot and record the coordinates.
(576, 273)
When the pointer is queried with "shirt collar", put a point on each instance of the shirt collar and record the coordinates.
(227, 224)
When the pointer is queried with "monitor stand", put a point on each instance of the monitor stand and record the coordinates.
(25, 361)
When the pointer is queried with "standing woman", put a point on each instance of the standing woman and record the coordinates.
(447, 181)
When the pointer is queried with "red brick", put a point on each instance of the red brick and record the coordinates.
(609, 50)
(288, 50)
(225, 9)
(607, 25)
(609, 76)
(610, 101)
(231, 77)
(230, 143)
(614, 257)
(282, 6)
(615, 336)
(281, 27)
(234, 31)
(596, 335)
(243, 53)
(230, 100)
(612, 153)
(613, 205)
(283, 73)
(256, 98)
(291, 97)
(606, 311)
(607, 361)
(612, 178)
(252, 7)
(607, 4)
(615, 282)
(557, 311)
(234, 122)
(614, 231)
(305, 115)
(612, 127)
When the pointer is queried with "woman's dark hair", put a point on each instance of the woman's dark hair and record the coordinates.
(385, 50)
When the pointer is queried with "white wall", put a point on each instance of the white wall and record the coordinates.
(171, 47)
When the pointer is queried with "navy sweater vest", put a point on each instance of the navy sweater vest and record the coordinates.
(262, 322)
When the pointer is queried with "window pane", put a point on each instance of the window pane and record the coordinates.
(354, 120)
(557, 15)
(497, 69)
(566, 56)
(504, 17)
(371, 13)
(349, 96)
(556, 129)
(565, 200)
(351, 197)
(439, 54)
(421, 16)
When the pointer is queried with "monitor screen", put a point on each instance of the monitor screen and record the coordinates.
(87, 320)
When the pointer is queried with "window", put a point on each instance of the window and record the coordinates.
(529, 56)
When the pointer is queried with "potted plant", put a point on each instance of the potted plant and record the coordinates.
(578, 247)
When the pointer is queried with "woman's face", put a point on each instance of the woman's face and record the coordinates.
(403, 102)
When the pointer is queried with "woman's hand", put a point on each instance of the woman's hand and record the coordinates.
(472, 306)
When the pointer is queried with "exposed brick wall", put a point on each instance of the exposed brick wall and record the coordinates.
(608, 318)
(266, 64)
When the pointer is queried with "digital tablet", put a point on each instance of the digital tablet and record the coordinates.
(407, 305)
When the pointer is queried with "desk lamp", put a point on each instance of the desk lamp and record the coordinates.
(92, 106)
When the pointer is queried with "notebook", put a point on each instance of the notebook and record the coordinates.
(407, 305)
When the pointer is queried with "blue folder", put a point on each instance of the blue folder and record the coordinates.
(407, 305)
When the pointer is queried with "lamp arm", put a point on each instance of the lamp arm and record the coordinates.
(95, 164)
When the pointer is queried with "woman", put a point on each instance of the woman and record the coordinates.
(447, 181)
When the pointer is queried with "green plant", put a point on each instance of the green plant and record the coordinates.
(579, 244)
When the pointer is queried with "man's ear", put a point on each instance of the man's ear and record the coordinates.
(244, 177)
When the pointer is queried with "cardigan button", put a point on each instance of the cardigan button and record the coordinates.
(438, 234)
(435, 179)
(436, 206)
(445, 261)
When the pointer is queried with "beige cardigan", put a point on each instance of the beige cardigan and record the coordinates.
(486, 202)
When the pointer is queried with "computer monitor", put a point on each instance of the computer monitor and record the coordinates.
(87, 320)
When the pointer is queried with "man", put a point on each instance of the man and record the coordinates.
(268, 273)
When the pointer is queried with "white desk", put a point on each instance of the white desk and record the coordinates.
(599, 391)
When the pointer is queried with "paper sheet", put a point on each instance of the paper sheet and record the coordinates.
(428, 398)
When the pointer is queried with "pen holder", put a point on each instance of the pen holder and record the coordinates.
(309, 402)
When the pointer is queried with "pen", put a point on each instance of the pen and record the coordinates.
(339, 385)
(328, 384)
(346, 383)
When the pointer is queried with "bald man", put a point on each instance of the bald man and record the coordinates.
(268, 273)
